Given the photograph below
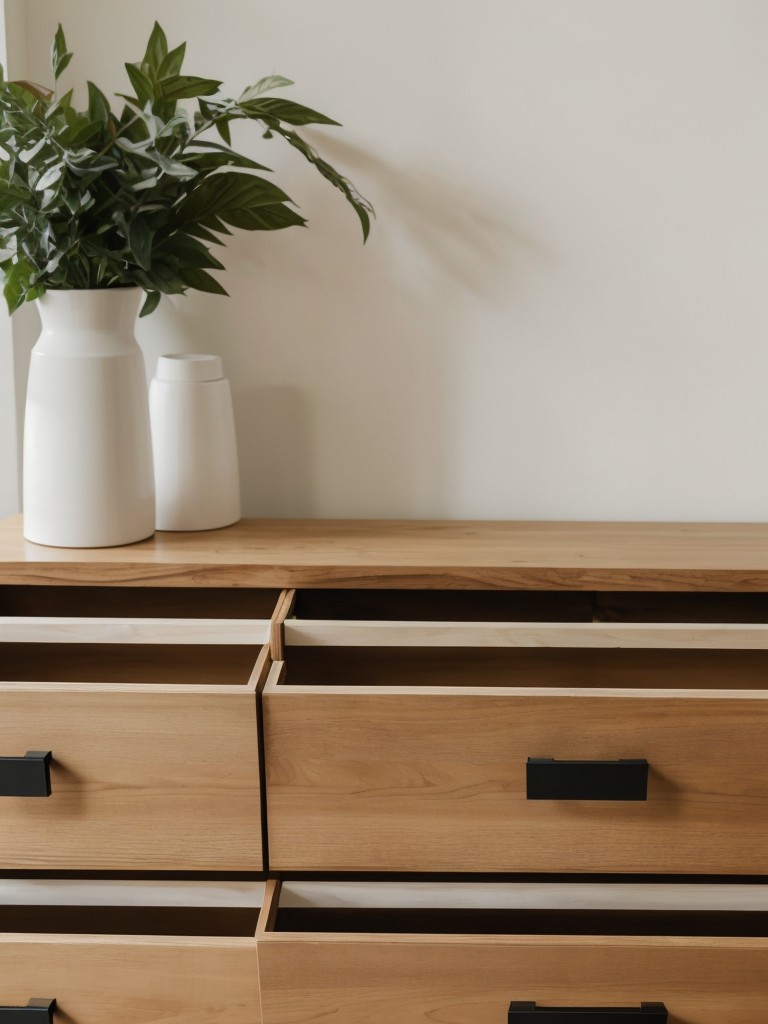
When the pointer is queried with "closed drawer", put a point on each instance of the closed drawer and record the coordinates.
(151, 728)
(405, 746)
(131, 964)
(349, 955)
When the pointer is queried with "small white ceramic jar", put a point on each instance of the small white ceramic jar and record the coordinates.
(197, 482)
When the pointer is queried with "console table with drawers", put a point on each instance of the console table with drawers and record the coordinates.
(375, 772)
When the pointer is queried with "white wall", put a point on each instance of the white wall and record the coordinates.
(562, 311)
(13, 59)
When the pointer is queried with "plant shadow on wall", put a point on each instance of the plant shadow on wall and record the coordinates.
(347, 390)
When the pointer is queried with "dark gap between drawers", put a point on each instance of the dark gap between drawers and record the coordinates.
(140, 602)
(99, 920)
(526, 666)
(530, 606)
(631, 606)
(445, 605)
(209, 664)
(527, 922)
(385, 876)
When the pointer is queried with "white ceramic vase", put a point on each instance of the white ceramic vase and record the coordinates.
(197, 481)
(88, 479)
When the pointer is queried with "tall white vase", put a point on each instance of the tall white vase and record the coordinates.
(88, 479)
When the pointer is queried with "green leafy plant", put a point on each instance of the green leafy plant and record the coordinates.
(95, 200)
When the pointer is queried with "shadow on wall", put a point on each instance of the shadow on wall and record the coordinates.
(274, 430)
(469, 235)
(343, 363)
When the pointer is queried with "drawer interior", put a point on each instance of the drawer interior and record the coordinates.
(674, 910)
(124, 920)
(530, 922)
(208, 664)
(530, 606)
(445, 605)
(138, 602)
(526, 667)
(129, 908)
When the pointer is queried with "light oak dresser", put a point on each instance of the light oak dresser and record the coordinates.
(325, 772)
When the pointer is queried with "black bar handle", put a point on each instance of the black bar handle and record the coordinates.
(548, 779)
(26, 776)
(37, 1011)
(530, 1013)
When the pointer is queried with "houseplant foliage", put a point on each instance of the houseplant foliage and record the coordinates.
(96, 199)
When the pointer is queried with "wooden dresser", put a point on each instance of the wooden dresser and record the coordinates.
(326, 772)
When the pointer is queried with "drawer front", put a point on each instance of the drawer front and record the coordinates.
(133, 980)
(361, 779)
(405, 979)
(143, 778)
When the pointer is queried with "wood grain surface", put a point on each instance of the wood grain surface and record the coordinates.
(144, 778)
(592, 635)
(412, 554)
(133, 980)
(422, 979)
(35, 629)
(433, 779)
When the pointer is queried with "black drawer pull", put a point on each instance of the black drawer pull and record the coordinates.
(548, 779)
(37, 1011)
(26, 776)
(530, 1013)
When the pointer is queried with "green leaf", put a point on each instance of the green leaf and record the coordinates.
(142, 84)
(60, 56)
(22, 90)
(150, 303)
(49, 177)
(62, 105)
(157, 48)
(202, 281)
(163, 279)
(17, 281)
(265, 218)
(168, 166)
(361, 206)
(200, 232)
(284, 110)
(63, 65)
(222, 127)
(225, 193)
(98, 104)
(27, 154)
(86, 133)
(216, 156)
(183, 87)
(140, 239)
(264, 85)
(188, 251)
(171, 63)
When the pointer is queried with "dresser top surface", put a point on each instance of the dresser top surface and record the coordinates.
(414, 554)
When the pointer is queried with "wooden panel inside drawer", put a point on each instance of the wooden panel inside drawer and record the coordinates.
(132, 965)
(401, 973)
(153, 776)
(425, 751)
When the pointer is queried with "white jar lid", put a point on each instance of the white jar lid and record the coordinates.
(189, 368)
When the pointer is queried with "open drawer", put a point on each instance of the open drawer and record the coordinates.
(179, 959)
(507, 954)
(489, 746)
(130, 744)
